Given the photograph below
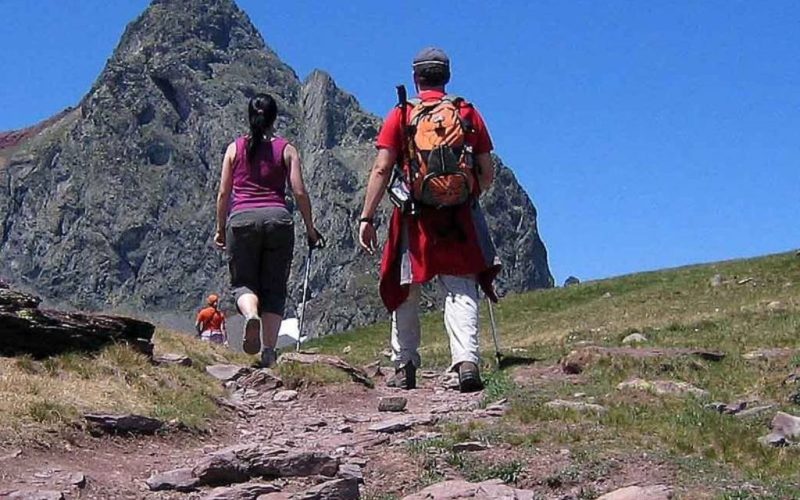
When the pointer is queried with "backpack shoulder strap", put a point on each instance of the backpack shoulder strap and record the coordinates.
(457, 101)
(460, 103)
(419, 108)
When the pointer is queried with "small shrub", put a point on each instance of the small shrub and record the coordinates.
(381, 496)
(497, 385)
(51, 366)
(565, 477)
(27, 364)
(83, 366)
(477, 471)
(299, 375)
(47, 412)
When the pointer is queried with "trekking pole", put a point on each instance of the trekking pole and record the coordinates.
(404, 154)
(497, 353)
(303, 302)
(320, 244)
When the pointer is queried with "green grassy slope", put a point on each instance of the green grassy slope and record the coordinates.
(757, 305)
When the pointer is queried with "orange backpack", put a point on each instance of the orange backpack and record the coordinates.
(441, 173)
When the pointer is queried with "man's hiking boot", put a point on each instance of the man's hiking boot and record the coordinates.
(268, 358)
(405, 377)
(469, 377)
(251, 338)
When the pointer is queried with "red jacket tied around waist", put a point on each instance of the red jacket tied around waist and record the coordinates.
(451, 241)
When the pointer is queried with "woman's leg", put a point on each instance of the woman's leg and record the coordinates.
(251, 337)
(271, 325)
(248, 304)
(276, 261)
(244, 254)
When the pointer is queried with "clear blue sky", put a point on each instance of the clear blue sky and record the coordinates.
(649, 134)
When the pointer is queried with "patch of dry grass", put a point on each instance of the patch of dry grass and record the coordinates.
(52, 394)
(296, 375)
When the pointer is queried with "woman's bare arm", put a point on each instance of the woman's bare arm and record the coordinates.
(224, 194)
(301, 198)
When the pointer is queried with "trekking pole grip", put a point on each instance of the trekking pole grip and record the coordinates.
(320, 243)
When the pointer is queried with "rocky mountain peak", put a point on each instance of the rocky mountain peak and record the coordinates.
(215, 24)
(330, 113)
(111, 206)
(180, 44)
(320, 83)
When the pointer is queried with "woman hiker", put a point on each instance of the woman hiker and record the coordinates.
(255, 226)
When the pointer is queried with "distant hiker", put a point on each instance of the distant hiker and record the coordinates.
(255, 226)
(441, 147)
(210, 324)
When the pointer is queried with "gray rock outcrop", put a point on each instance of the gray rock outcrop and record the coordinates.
(123, 424)
(785, 430)
(25, 328)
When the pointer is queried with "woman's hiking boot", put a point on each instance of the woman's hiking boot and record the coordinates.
(405, 377)
(251, 338)
(268, 358)
(469, 377)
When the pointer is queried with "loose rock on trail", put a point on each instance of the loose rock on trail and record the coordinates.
(315, 442)
(323, 442)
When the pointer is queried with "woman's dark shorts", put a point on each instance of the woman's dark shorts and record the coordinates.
(260, 243)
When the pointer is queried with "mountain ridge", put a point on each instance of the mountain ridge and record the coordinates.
(112, 209)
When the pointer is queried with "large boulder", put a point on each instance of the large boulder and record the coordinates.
(655, 492)
(240, 463)
(28, 329)
(459, 489)
(663, 387)
(123, 424)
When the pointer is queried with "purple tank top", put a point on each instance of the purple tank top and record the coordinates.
(262, 183)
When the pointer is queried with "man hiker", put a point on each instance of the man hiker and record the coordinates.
(441, 148)
(210, 324)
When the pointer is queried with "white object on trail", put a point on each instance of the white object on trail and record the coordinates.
(289, 333)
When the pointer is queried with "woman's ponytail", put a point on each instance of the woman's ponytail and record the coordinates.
(261, 112)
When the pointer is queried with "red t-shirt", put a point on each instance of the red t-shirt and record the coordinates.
(210, 319)
(429, 252)
(391, 134)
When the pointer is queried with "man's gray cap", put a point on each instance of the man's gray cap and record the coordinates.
(431, 56)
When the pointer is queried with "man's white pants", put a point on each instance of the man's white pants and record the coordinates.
(460, 321)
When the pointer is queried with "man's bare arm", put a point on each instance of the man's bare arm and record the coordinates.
(379, 179)
(485, 169)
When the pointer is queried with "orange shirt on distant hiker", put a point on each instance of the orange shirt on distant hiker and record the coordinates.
(211, 319)
(210, 324)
